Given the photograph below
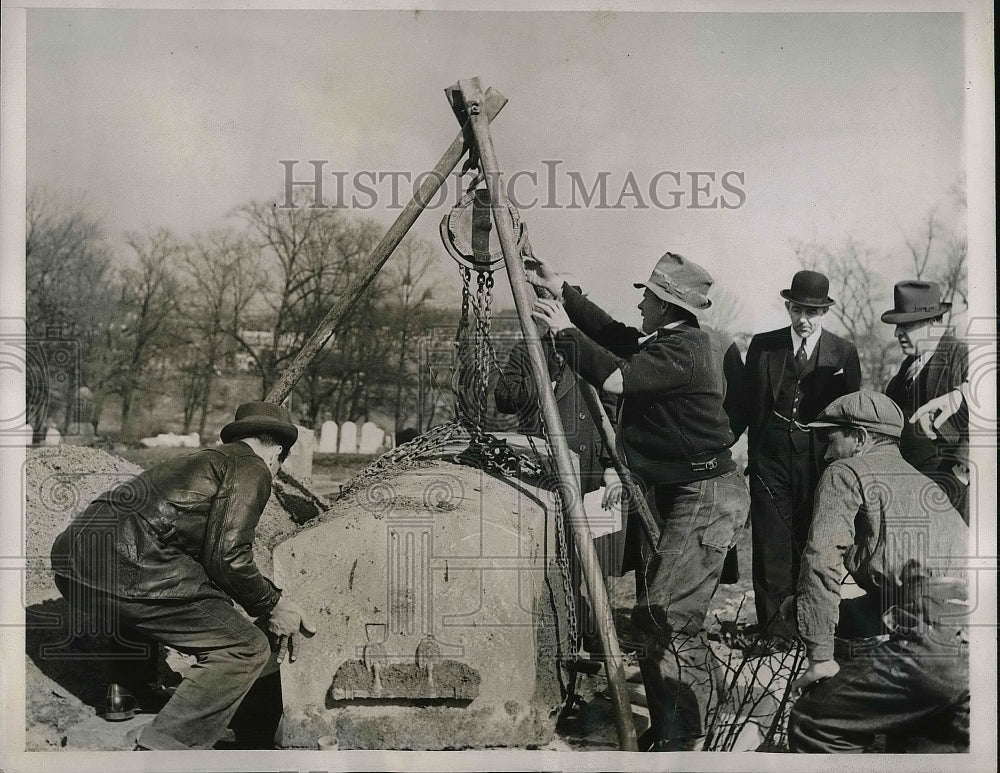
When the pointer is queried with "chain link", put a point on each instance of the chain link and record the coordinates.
(484, 449)
(563, 548)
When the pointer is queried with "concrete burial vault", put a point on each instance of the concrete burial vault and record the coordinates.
(440, 606)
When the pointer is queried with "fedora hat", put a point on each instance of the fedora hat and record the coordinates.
(915, 301)
(871, 410)
(677, 280)
(809, 288)
(260, 418)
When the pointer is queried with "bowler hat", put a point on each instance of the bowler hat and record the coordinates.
(677, 280)
(260, 418)
(809, 288)
(915, 301)
(868, 409)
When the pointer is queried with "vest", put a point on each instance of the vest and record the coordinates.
(790, 387)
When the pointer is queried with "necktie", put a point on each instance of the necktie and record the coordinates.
(915, 367)
(801, 357)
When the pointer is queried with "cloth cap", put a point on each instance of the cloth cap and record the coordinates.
(260, 418)
(871, 410)
(915, 301)
(809, 288)
(677, 280)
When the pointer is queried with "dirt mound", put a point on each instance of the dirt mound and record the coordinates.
(59, 482)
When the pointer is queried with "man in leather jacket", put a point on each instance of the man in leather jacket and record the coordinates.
(164, 556)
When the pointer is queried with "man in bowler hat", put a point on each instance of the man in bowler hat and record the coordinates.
(163, 557)
(791, 374)
(936, 363)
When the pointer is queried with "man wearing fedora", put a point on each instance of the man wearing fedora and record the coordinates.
(893, 662)
(163, 557)
(791, 374)
(675, 436)
(936, 363)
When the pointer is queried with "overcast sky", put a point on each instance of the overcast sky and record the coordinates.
(829, 125)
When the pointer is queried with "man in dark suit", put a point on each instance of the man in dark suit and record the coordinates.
(936, 364)
(791, 374)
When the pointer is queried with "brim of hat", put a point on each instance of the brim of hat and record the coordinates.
(663, 295)
(825, 424)
(260, 425)
(894, 317)
(787, 295)
(885, 430)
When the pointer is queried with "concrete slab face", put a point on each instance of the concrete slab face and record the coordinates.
(446, 559)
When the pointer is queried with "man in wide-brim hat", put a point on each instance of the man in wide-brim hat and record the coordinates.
(898, 666)
(936, 363)
(675, 434)
(791, 374)
(162, 558)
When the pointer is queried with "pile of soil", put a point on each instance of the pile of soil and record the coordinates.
(59, 482)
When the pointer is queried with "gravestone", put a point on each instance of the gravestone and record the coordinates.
(348, 438)
(300, 461)
(439, 611)
(371, 438)
(52, 437)
(328, 438)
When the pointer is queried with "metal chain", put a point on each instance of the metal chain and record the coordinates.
(569, 594)
(562, 543)
(484, 449)
(484, 302)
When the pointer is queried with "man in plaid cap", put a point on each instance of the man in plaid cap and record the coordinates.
(674, 433)
(895, 661)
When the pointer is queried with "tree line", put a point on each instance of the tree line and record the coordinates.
(170, 315)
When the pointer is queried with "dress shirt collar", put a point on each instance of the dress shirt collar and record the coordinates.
(811, 341)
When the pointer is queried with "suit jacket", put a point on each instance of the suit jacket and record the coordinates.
(183, 529)
(837, 372)
(947, 368)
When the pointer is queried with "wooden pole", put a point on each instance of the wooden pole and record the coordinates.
(493, 104)
(568, 478)
(635, 496)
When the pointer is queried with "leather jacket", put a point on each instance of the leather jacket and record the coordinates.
(183, 529)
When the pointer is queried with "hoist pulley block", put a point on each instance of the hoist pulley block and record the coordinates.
(468, 234)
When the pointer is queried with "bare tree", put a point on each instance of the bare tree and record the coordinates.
(148, 312)
(939, 254)
(221, 279)
(860, 292)
(68, 304)
(724, 313)
(410, 275)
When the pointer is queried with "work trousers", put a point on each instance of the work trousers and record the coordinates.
(783, 480)
(699, 522)
(230, 653)
(913, 689)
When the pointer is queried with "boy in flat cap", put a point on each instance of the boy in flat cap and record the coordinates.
(163, 557)
(675, 436)
(936, 364)
(791, 374)
(893, 662)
